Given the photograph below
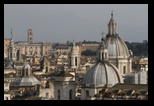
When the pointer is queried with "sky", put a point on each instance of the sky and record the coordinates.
(65, 22)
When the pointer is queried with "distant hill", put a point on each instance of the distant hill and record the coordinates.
(139, 49)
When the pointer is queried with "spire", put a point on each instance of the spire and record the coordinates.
(30, 36)
(73, 43)
(112, 26)
(112, 14)
(11, 34)
(11, 47)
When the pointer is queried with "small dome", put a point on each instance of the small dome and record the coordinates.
(9, 64)
(102, 74)
(116, 47)
(25, 81)
(26, 66)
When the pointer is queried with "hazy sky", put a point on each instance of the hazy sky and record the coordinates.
(63, 22)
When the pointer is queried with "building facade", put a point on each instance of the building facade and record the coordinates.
(6, 45)
(27, 48)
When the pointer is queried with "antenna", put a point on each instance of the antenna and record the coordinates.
(73, 38)
(112, 14)
(11, 33)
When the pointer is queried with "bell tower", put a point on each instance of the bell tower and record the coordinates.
(30, 36)
(74, 58)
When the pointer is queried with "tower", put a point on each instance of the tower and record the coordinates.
(30, 36)
(74, 57)
(11, 49)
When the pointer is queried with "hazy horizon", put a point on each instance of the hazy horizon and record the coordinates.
(65, 22)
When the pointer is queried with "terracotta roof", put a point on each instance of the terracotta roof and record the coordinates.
(64, 74)
(129, 86)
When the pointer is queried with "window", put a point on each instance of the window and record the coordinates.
(76, 61)
(26, 72)
(70, 94)
(46, 69)
(124, 70)
(87, 93)
(105, 55)
(6, 84)
(10, 55)
(6, 98)
(58, 93)
(19, 72)
(47, 95)
(70, 61)
(30, 53)
(102, 56)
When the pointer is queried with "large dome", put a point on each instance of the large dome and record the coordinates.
(116, 47)
(102, 74)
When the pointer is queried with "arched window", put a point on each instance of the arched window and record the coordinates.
(124, 69)
(23, 72)
(102, 56)
(87, 93)
(70, 61)
(47, 95)
(76, 61)
(58, 93)
(7, 98)
(105, 55)
(70, 94)
(19, 72)
(46, 69)
(11, 55)
(26, 72)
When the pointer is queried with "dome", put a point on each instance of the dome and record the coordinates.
(25, 81)
(26, 66)
(102, 74)
(116, 47)
(9, 64)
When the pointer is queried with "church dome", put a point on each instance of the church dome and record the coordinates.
(102, 74)
(116, 47)
(26, 66)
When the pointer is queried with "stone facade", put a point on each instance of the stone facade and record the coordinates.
(6, 45)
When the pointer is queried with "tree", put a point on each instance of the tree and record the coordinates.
(88, 52)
